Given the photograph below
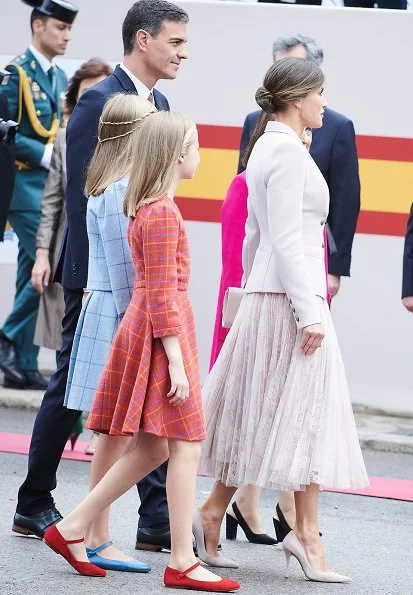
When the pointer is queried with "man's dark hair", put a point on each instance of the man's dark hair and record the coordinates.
(149, 15)
(37, 16)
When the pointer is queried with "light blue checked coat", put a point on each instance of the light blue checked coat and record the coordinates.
(110, 285)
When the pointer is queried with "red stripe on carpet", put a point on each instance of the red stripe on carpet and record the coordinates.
(20, 443)
(381, 487)
(384, 487)
(368, 147)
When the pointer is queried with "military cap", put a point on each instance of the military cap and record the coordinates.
(58, 9)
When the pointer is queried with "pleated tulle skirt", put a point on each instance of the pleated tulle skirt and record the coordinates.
(274, 417)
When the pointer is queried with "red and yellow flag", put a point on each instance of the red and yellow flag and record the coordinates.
(386, 174)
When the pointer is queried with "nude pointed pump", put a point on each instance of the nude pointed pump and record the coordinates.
(292, 547)
(216, 561)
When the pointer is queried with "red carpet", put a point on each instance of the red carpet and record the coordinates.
(381, 487)
(19, 444)
(384, 487)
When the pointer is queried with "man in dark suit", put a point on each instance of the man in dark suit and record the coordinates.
(7, 171)
(407, 287)
(334, 150)
(154, 38)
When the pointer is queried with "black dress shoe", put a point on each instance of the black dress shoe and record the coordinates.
(8, 360)
(9, 382)
(36, 524)
(33, 380)
(153, 539)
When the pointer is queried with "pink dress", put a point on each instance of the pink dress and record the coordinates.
(233, 217)
(234, 214)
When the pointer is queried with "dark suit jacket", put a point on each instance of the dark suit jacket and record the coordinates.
(7, 170)
(82, 131)
(334, 150)
(407, 288)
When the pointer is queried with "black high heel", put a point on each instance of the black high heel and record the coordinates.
(73, 439)
(282, 528)
(232, 527)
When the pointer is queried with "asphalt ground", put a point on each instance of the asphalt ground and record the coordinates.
(369, 539)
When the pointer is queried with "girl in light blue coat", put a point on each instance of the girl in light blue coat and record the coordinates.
(108, 293)
(107, 296)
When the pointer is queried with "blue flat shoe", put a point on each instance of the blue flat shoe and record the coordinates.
(121, 565)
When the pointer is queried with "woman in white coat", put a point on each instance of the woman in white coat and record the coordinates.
(278, 411)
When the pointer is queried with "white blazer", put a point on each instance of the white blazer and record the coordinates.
(288, 198)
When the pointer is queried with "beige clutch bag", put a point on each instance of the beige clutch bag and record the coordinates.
(232, 300)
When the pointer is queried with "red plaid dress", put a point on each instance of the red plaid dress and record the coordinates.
(132, 391)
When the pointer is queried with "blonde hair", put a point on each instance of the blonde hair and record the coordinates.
(121, 117)
(163, 138)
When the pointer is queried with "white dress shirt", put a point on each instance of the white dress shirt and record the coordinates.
(141, 89)
(288, 201)
(44, 62)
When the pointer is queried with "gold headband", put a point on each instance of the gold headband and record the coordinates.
(135, 121)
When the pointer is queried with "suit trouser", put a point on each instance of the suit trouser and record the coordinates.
(395, 4)
(51, 431)
(312, 2)
(21, 322)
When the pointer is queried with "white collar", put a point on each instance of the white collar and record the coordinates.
(275, 126)
(44, 62)
(141, 89)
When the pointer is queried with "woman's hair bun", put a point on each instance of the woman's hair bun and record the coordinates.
(265, 100)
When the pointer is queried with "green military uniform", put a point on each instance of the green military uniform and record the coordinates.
(35, 102)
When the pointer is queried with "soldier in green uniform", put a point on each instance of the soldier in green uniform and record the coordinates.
(34, 95)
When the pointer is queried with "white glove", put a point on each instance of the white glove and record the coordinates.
(47, 156)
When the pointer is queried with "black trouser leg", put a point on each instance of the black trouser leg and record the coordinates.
(394, 4)
(153, 510)
(53, 423)
(312, 2)
(359, 3)
(52, 429)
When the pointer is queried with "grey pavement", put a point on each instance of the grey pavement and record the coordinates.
(378, 430)
(370, 539)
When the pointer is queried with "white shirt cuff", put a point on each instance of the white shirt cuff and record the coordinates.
(47, 156)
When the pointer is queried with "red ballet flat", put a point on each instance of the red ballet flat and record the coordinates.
(54, 539)
(178, 579)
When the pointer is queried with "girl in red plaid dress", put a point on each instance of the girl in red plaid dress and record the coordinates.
(150, 388)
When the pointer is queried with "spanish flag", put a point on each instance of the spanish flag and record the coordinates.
(386, 174)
